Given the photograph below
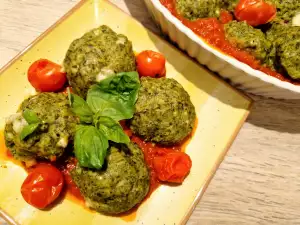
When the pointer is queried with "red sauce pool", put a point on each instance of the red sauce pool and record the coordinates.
(212, 31)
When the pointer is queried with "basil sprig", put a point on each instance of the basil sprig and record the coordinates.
(33, 123)
(108, 102)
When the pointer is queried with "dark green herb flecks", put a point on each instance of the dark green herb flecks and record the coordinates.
(285, 55)
(42, 128)
(164, 112)
(247, 38)
(122, 183)
(195, 9)
(97, 54)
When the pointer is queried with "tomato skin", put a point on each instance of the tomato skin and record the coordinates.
(42, 186)
(46, 76)
(255, 12)
(172, 166)
(151, 64)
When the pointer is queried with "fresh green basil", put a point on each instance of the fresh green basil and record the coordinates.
(30, 116)
(90, 146)
(109, 101)
(115, 96)
(28, 129)
(111, 129)
(81, 108)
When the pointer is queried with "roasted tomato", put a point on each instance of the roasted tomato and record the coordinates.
(151, 64)
(255, 12)
(46, 76)
(42, 185)
(172, 166)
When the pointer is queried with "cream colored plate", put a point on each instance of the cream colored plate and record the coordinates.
(221, 112)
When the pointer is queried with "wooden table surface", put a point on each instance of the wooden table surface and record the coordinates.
(259, 180)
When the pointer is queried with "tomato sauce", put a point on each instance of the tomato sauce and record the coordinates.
(212, 31)
(71, 191)
(152, 150)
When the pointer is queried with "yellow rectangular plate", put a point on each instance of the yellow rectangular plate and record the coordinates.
(221, 112)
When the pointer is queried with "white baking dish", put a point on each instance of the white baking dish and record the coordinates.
(240, 74)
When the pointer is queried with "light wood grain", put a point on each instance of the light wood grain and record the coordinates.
(258, 182)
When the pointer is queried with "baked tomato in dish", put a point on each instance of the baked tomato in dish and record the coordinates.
(255, 12)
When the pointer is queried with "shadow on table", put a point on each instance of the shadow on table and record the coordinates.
(139, 11)
(272, 114)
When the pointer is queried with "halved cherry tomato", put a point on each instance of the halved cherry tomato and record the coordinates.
(42, 185)
(255, 12)
(46, 76)
(172, 167)
(151, 64)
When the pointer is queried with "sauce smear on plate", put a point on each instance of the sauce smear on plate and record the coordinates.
(212, 31)
(72, 192)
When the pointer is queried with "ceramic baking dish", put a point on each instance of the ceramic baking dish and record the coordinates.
(240, 74)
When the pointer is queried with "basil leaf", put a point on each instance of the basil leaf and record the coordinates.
(90, 146)
(111, 129)
(81, 108)
(30, 116)
(28, 129)
(115, 96)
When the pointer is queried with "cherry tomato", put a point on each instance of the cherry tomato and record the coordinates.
(172, 167)
(46, 76)
(255, 12)
(42, 185)
(151, 64)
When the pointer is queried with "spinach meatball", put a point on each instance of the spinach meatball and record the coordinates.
(247, 38)
(55, 128)
(196, 9)
(285, 55)
(97, 54)
(120, 185)
(164, 113)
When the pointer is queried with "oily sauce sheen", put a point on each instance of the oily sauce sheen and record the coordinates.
(212, 31)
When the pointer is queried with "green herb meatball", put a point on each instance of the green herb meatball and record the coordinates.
(286, 9)
(53, 134)
(195, 9)
(164, 112)
(97, 54)
(285, 54)
(120, 185)
(247, 38)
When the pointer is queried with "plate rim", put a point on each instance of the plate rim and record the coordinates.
(221, 157)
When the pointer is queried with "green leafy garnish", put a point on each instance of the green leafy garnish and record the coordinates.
(90, 146)
(81, 108)
(28, 129)
(111, 129)
(33, 123)
(109, 101)
(115, 96)
(30, 116)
